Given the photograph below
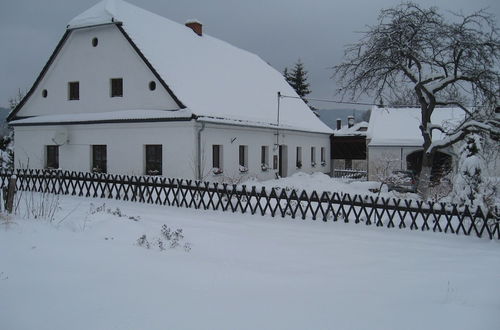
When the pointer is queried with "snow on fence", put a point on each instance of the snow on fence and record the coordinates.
(349, 174)
(378, 211)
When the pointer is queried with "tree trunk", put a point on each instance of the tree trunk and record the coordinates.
(425, 174)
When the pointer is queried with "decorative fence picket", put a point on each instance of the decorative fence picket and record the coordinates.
(378, 211)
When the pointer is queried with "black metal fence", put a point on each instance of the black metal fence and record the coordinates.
(327, 206)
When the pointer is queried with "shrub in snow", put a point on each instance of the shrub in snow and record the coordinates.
(243, 169)
(169, 238)
(7, 151)
(217, 171)
(264, 167)
(472, 186)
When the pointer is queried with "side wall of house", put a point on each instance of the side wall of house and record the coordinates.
(125, 146)
(94, 67)
(231, 137)
(382, 160)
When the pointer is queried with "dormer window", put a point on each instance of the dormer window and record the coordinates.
(73, 90)
(116, 87)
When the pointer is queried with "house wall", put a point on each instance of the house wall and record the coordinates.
(231, 137)
(93, 67)
(382, 160)
(125, 148)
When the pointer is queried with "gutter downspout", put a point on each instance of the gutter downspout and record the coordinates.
(198, 151)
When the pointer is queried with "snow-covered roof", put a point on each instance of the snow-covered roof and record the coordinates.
(124, 115)
(211, 77)
(358, 129)
(400, 126)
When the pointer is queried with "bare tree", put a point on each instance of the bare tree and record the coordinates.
(418, 47)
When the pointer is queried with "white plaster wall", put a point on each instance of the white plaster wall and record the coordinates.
(125, 146)
(255, 138)
(93, 67)
(387, 158)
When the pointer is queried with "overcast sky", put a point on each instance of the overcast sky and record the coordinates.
(279, 31)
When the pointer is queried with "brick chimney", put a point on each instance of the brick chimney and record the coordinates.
(195, 25)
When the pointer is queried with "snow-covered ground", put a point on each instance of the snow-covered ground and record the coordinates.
(321, 182)
(84, 270)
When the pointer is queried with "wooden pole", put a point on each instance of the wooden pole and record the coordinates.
(10, 193)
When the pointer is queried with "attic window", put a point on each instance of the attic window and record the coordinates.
(95, 42)
(73, 90)
(116, 87)
(44, 93)
(152, 85)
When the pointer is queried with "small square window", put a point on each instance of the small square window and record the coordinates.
(116, 87)
(52, 157)
(154, 159)
(74, 90)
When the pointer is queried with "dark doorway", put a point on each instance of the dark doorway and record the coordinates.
(440, 167)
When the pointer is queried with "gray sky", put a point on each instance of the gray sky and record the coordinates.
(279, 31)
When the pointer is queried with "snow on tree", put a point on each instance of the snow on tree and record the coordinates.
(440, 60)
(472, 186)
(297, 78)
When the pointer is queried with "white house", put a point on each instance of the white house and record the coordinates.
(127, 91)
(394, 140)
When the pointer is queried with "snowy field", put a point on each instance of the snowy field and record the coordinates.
(85, 270)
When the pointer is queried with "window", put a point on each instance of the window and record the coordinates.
(275, 162)
(116, 87)
(74, 90)
(217, 156)
(99, 159)
(323, 155)
(298, 160)
(44, 93)
(264, 155)
(243, 156)
(153, 159)
(95, 41)
(313, 156)
(52, 157)
(152, 85)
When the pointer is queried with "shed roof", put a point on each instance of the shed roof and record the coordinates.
(400, 126)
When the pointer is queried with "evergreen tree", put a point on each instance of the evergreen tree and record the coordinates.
(298, 79)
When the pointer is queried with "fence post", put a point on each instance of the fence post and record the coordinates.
(10, 193)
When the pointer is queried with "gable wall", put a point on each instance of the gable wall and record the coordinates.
(93, 67)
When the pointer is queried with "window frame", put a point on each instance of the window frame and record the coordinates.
(73, 90)
(153, 166)
(313, 155)
(243, 155)
(298, 156)
(49, 151)
(99, 160)
(116, 87)
(322, 155)
(217, 156)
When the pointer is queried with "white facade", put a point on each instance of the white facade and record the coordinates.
(126, 143)
(93, 67)
(206, 92)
